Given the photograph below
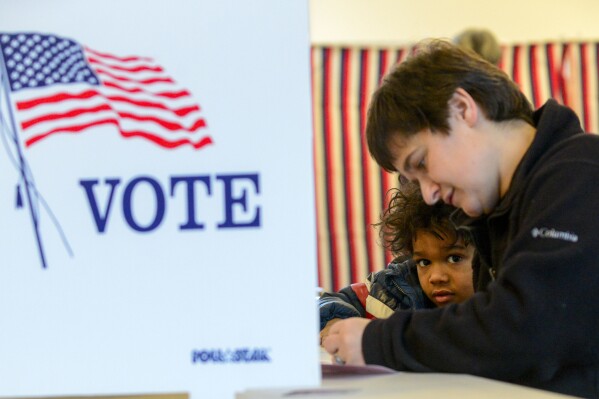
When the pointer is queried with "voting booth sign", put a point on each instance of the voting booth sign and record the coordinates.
(157, 200)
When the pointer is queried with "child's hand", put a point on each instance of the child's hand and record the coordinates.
(325, 331)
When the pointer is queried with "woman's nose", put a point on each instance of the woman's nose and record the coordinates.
(431, 192)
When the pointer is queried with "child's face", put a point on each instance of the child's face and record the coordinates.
(444, 268)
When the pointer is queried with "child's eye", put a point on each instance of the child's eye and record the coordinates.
(454, 258)
(421, 164)
(422, 262)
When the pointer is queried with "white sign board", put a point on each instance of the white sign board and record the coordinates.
(157, 219)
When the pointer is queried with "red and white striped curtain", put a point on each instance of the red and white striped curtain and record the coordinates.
(351, 190)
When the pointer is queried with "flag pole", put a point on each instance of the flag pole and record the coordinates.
(22, 170)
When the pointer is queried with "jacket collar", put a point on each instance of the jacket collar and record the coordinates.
(554, 123)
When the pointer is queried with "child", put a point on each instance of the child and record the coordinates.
(526, 183)
(433, 267)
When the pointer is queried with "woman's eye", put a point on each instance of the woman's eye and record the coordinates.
(454, 258)
(423, 262)
(421, 165)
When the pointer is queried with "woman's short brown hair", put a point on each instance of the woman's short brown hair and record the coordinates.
(414, 96)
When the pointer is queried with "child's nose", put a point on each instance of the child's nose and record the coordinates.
(438, 274)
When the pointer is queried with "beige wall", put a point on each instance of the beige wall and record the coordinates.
(385, 22)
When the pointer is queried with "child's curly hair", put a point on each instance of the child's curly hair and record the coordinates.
(407, 213)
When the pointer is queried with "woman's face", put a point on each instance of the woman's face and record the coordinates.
(458, 168)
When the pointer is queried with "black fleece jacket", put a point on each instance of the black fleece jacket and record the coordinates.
(534, 320)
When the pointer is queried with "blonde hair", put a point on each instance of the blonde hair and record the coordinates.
(482, 42)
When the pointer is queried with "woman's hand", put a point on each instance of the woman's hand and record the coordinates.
(344, 340)
(326, 330)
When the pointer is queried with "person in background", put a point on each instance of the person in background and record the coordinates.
(433, 265)
(526, 186)
(482, 42)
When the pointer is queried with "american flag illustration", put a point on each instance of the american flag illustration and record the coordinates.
(58, 86)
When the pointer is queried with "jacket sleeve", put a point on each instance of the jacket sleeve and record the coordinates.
(539, 314)
(397, 287)
(340, 305)
(383, 292)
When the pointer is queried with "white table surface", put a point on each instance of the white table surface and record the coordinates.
(401, 385)
(404, 385)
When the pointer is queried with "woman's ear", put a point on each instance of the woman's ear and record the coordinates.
(463, 107)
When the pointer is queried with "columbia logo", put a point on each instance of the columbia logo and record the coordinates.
(544, 232)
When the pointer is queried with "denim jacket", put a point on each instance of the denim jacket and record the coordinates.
(395, 287)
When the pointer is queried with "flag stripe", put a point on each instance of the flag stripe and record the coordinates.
(140, 68)
(584, 86)
(323, 269)
(28, 104)
(203, 141)
(516, 67)
(167, 94)
(183, 111)
(534, 84)
(387, 179)
(70, 129)
(114, 57)
(337, 181)
(359, 245)
(554, 82)
(65, 115)
(364, 95)
(172, 126)
(121, 78)
(347, 144)
(328, 172)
